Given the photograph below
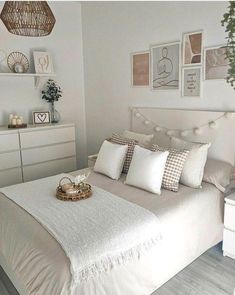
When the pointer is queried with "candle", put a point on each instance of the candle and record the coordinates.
(13, 121)
(10, 118)
(18, 121)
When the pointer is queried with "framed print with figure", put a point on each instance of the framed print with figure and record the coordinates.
(140, 68)
(165, 64)
(192, 48)
(43, 62)
(215, 63)
(191, 82)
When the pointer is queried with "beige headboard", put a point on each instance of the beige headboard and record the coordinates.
(172, 122)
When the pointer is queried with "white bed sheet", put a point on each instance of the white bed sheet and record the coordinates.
(192, 222)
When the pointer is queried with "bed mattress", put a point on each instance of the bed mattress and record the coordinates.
(191, 220)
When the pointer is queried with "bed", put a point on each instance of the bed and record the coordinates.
(191, 220)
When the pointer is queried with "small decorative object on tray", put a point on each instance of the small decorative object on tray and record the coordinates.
(73, 191)
(18, 62)
(16, 121)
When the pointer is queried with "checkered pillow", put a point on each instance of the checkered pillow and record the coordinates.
(173, 168)
(116, 138)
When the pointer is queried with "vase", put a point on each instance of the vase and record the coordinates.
(55, 115)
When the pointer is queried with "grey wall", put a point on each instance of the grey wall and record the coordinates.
(112, 30)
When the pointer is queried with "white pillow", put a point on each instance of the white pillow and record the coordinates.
(146, 169)
(141, 138)
(192, 173)
(218, 173)
(110, 159)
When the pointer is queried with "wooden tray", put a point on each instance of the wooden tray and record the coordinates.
(84, 193)
(24, 125)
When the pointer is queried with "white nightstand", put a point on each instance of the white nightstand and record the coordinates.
(229, 226)
(91, 160)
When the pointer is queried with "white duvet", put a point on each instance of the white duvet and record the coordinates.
(191, 222)
(97, 234)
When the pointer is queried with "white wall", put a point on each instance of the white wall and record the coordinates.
(17, 95)
(112, 30)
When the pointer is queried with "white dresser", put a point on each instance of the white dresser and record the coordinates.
(36, 152)
(229, 226)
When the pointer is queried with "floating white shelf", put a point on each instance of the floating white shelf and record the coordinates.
(37, 77)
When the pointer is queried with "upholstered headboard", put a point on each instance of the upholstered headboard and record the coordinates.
(199, 126)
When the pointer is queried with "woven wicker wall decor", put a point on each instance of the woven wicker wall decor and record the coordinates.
(28, 18)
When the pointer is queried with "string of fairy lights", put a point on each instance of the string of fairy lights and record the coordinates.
(183, 132)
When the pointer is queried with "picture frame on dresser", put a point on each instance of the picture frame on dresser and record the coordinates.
(40, 118)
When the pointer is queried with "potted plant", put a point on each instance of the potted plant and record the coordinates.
(229, 22)
(51, 94)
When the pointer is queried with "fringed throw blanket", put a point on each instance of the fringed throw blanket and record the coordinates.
(97, 234)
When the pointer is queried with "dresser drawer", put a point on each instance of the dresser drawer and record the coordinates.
(49, 168)
(229, 242)
(46, 137)
(10, 160)
(229, 217)
(47, 153)
(9, 142)
(11, 176)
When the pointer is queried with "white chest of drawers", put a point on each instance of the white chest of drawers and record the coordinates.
(229, 227)
(10, 159)
(36, 152)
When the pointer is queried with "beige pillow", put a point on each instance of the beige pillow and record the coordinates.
(218, 173)
(193, 170)
(144, 139)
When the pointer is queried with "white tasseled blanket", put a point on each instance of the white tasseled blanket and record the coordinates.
(96, 234)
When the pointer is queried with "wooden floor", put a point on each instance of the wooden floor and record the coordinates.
(210, 274)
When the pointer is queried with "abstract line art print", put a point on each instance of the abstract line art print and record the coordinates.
(192, 48)
(215, 65)
(165, 61)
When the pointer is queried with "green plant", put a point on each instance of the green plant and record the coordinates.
(52, 93)
(229, 22)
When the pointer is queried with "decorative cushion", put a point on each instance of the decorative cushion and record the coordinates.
(116, 138)
(110, 159)
(174, 166)
(144, 139)
(192, 173)
(218, 173)
(146, 169)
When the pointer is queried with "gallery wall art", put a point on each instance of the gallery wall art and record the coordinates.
(140, 68)
(165, 61)
(191, 81)
(170, 66)
(192, 48)
(215, 63)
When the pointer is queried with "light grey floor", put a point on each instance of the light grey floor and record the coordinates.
(210, 274)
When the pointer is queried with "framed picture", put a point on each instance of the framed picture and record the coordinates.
(215, 63)
(191, 82)
(192, 48)
(43, 62)
(140, 68)
(41, 118)
(165, 65)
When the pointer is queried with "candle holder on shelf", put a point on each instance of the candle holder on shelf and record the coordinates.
(16, 121)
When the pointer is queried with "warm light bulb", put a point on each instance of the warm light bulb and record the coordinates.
(212, 124)
(137, 115)
(228, 115)
(146, 122)
(197, 131)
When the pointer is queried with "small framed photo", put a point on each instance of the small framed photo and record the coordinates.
(140, 62)
(216, 64)
(192, 48)
(41, 118)
(43, 62)
(191, 82)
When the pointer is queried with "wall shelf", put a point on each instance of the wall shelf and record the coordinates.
(37, 77)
